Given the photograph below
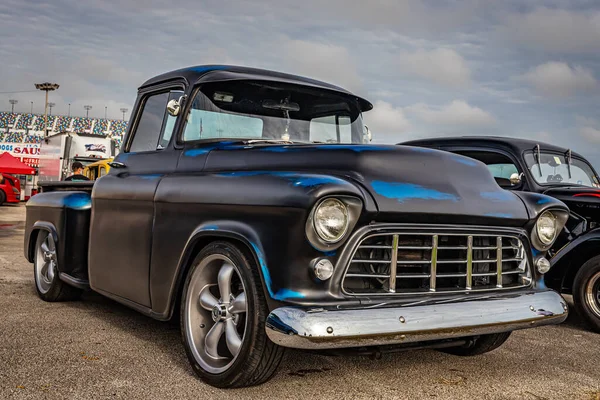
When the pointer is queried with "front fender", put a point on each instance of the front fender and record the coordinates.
(237, 232)
(567, 261)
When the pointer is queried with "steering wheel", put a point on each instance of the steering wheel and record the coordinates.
(554, 178)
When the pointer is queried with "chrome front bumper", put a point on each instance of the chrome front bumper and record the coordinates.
(311, 328)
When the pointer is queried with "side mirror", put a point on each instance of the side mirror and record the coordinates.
(515, 178)
(367, 135)
(173, 107)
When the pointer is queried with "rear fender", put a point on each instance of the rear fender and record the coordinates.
(31, 237)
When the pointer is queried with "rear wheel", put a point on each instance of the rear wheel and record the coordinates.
(223, 314)
(45, 267)
(586, 292)
(483, 344)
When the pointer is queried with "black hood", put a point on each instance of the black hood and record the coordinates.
(408, 184)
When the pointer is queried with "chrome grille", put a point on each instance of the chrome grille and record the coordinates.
(385, 263)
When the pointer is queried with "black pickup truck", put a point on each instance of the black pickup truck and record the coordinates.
(530, 166)
(251, 203)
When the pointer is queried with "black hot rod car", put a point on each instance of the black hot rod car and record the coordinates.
(530, 166)
(247, 201)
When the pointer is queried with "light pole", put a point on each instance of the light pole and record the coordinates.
(46, 87)
(12, 105)
(69, 110)
(50, 105)
(124, 110)
(31, 110)
(105, 112)
(87, 110)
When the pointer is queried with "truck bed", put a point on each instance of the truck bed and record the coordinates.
(46, 187)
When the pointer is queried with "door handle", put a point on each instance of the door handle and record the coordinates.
(116, 164)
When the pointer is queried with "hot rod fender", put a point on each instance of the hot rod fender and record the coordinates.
(268, 225)
(568, 260)
(66, 215)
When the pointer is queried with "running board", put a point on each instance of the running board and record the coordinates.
(76, 282)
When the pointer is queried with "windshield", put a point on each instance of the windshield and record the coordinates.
(554, 169)
(273, 111)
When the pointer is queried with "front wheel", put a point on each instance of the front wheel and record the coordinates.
(483, 344)
(45, 268)
(586, 292)
(223, 314)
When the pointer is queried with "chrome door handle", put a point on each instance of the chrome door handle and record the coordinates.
(116, 164)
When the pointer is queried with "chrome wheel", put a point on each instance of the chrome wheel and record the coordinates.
(215, 313)
(45, 262)
(592, 294)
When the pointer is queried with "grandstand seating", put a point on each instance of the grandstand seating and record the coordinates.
(29, 128)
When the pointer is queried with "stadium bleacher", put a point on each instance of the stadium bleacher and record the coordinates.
(29, 128)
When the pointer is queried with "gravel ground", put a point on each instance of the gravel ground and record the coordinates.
(96, 348)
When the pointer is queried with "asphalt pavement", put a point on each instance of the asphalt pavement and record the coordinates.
(96, 348)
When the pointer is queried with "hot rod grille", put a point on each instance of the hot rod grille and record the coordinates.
(425, 263)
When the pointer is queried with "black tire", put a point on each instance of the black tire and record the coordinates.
(257, 358)
(2, 197)
(483, 344)
(50, 289)
(586, 292)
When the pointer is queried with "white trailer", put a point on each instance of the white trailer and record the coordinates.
(59, 151)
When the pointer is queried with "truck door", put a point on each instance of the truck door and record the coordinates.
(123, 201)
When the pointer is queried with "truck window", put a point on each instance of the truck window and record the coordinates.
(149, 127)
(102, 171)
(331, 129)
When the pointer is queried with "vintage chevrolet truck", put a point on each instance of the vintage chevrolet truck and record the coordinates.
(532, 166)
(249, 203)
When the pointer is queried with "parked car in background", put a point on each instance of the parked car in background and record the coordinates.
(10, 189)
(247, 201)
(531, 166)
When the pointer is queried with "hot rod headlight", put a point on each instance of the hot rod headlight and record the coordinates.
(331, 220)
(546, 228)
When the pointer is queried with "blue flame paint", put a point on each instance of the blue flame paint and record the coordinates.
(294, 179)
(210, 228)
(544, 200)
(281, 294)
(78, 201)
(149, 177)
(197, 152)
(208, 68)
(499, 215)
(409, 191)
(466, 161)
(500, 195)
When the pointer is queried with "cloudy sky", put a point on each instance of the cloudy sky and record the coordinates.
(527, 69)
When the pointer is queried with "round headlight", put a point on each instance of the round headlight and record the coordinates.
(331, 220)
(546, 228)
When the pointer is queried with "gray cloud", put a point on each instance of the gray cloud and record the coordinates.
(443, 66)
(558, 79)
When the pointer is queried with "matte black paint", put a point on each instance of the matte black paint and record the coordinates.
(571, 249)
(149, 218)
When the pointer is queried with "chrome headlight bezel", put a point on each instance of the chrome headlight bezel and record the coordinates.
(353, 207)
(559, 218)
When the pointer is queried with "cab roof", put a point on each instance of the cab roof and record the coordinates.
(215, 73)
(516, 145)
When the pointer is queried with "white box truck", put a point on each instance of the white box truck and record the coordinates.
(59, 151)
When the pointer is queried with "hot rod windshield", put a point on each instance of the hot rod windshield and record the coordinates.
(273, 111)
(553, 168)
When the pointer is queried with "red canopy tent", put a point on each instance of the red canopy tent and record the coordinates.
(11, 165)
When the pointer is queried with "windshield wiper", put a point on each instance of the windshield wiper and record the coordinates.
(269, 141)
(568, 158)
